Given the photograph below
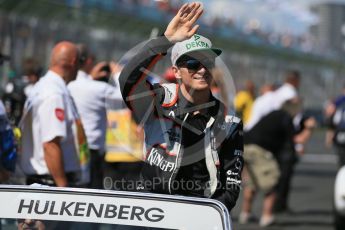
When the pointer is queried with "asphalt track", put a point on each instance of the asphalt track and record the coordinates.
(311, 193)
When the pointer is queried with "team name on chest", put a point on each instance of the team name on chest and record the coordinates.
(157, 159)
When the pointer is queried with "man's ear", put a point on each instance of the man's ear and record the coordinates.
(74, 61)
(89, 61)
(176, 72)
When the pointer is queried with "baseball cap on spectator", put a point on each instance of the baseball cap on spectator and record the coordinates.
(196, 43)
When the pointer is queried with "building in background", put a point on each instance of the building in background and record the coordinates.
(329, 33)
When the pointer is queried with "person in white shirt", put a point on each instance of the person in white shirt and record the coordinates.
(50, 154)
(287, 91)
(264, 105)
(273, 100)
(91, 98)
(261, 107)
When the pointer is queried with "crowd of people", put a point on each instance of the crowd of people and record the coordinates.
(191, 145)
(223, 23)
(276, 131)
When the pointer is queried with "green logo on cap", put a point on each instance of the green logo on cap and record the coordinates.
(196, 37)
(197, 44)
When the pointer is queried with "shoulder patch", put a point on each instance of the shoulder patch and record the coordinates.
(232, 119)
(60, 114)
(171, 94)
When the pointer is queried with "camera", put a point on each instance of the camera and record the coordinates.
(106, 68)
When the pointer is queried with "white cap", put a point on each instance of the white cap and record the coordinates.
(195, 43)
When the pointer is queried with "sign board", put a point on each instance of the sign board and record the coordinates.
(112, 207)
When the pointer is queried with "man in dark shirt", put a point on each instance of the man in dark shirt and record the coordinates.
(192, 148)
(271, 136)
(274, 132)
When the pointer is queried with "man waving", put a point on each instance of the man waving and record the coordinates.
(191, 147)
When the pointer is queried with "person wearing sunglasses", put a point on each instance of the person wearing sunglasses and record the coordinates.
(191, 147)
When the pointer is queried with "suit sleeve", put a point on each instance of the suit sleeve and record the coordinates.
(137, 92)
(52, 116)
(231, 167)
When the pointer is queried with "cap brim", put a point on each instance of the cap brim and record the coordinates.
(217, 51)
(213, 51)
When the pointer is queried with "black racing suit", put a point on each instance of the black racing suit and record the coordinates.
(185, 153)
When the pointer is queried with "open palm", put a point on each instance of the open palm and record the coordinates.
(181, 26)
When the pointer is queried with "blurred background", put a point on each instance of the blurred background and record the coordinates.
(261, 39)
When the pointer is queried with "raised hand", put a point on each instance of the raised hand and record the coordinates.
(97, 71)
(181, 26)
(115, 67)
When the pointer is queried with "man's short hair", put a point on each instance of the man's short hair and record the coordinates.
(83, 52)
(30, 67)
(292, 75)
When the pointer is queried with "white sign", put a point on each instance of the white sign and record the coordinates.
(112, 208)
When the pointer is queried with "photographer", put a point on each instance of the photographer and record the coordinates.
(91, 98)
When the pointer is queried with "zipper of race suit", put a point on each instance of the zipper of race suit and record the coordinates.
(179, 155)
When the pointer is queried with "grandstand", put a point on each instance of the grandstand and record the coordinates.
(110, 28)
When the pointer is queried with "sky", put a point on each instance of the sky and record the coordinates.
(292, 16)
